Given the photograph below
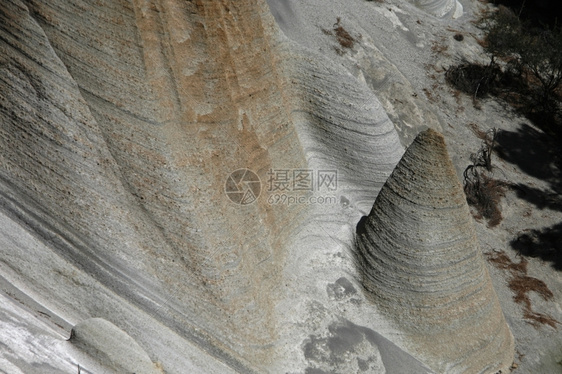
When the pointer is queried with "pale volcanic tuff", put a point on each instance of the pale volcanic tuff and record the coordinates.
(121, 122)
(421, 264)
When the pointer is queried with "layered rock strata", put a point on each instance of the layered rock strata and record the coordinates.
(421, 265)
(440, 8)
(121, 122)
(120, 126)
(105, 343)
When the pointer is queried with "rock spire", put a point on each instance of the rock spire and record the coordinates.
(421, 264)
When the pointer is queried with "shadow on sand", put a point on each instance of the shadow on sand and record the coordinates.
(538, 155)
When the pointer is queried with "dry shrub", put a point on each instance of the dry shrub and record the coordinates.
(432, 94)
(521, 284)
(525, 68)
(343, 37)
(473, 79)
(537, 319)
(485, 194)
(439, 47)
(482, 191)
(502, 261)
(524, 284)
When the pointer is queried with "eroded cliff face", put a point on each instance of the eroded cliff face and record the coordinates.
(132, 119)
(121, 123)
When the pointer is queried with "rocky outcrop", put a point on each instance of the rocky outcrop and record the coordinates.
(368, 61)
(121, 122)
(117, 152)
(421, 265)
(121, 125)
(440, 8)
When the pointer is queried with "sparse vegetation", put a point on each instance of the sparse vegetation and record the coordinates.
(521, 284)
(502, 28)
(485, 195)
(439, 47)
(473, 79)
(525, 67)
(534, 54)
(483, 192)
(344, 38)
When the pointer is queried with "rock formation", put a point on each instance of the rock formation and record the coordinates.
(121, 122)
(105, 343)
(440, 8)
(421, 265)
